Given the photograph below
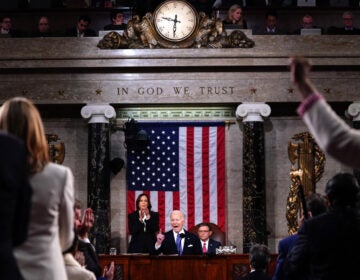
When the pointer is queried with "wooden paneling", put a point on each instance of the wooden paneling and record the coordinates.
(220, 267)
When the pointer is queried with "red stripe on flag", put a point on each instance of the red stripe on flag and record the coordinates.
(176, 200)
(205, 174)
(190, 177)
(221, 177)
(161, 210)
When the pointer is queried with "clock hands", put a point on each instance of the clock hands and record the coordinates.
(175, 20)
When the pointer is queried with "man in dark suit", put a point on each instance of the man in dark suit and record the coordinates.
(82, 28)
(328, 245)
(208, 245)
(259, 257)
(177, 241)
(316, 205)
(348, 27)
(15, 202)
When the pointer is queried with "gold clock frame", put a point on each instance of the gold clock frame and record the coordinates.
(184, 43)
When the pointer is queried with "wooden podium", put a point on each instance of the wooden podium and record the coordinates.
(219, 267)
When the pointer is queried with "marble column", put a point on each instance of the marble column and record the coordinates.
(254, 197)
(354, 112)
(99, 172)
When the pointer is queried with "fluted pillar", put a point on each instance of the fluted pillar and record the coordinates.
(99, 172)
(354, 112)
(254, 198)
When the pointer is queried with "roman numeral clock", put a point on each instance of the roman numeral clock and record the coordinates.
(176, 23)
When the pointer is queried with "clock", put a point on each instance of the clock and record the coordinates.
(176, 21)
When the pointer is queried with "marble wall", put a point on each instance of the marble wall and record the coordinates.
(63, 75)
(278, 132)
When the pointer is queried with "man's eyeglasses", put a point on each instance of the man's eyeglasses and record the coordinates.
(201, 231)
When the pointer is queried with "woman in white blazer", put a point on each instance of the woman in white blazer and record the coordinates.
(51, 218)
(331, 133)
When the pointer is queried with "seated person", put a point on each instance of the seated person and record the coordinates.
(81, 29)
(348, 27)
(177, 240)
(208, 245)
(234, 16)
(6, 29)
(43, 28)
(271, 24)
(307, 22)
(117, 21)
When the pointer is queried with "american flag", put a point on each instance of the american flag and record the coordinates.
(182, 168)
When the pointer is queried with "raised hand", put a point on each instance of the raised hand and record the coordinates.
(300, 68)
(160, 238)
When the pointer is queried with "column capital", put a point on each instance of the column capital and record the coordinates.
(253, 112)
(354, 111)
(98, 113)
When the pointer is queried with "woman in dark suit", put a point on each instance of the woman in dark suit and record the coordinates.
(143, 226)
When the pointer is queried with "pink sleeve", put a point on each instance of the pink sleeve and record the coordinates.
(308, 102)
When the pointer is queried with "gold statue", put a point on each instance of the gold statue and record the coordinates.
(310, 161)
(56, 150)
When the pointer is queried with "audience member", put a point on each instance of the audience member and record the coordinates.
(143, 226)
(208, 245)
(259, 257)
(307, 22)
(15, 198)
(271, 24)
(6, 29)
(82, 228)
(328, 245)
(331, 133)
(234, 16)
(117, 21)
(177, 240)
(81, 29)
(316, 205)
(43, 28)
(348, 27)
(73, 268)
(52, 215)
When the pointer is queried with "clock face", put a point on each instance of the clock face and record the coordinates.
(175, 20)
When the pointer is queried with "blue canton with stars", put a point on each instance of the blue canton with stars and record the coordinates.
(157, 167)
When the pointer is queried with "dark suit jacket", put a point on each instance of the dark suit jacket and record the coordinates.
(15, 203)
(142, 241)
(72, 32)
(91, 258)
(285, 246)
(192, 245)
(213, 244)
(327, 247)
(341, 31)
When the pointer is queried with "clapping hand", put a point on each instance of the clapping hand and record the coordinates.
(109, 271)
(87, 223)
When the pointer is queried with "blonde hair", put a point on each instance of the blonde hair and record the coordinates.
(231, 10)
(20, 117)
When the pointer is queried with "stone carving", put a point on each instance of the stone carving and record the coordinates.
(141, 34)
